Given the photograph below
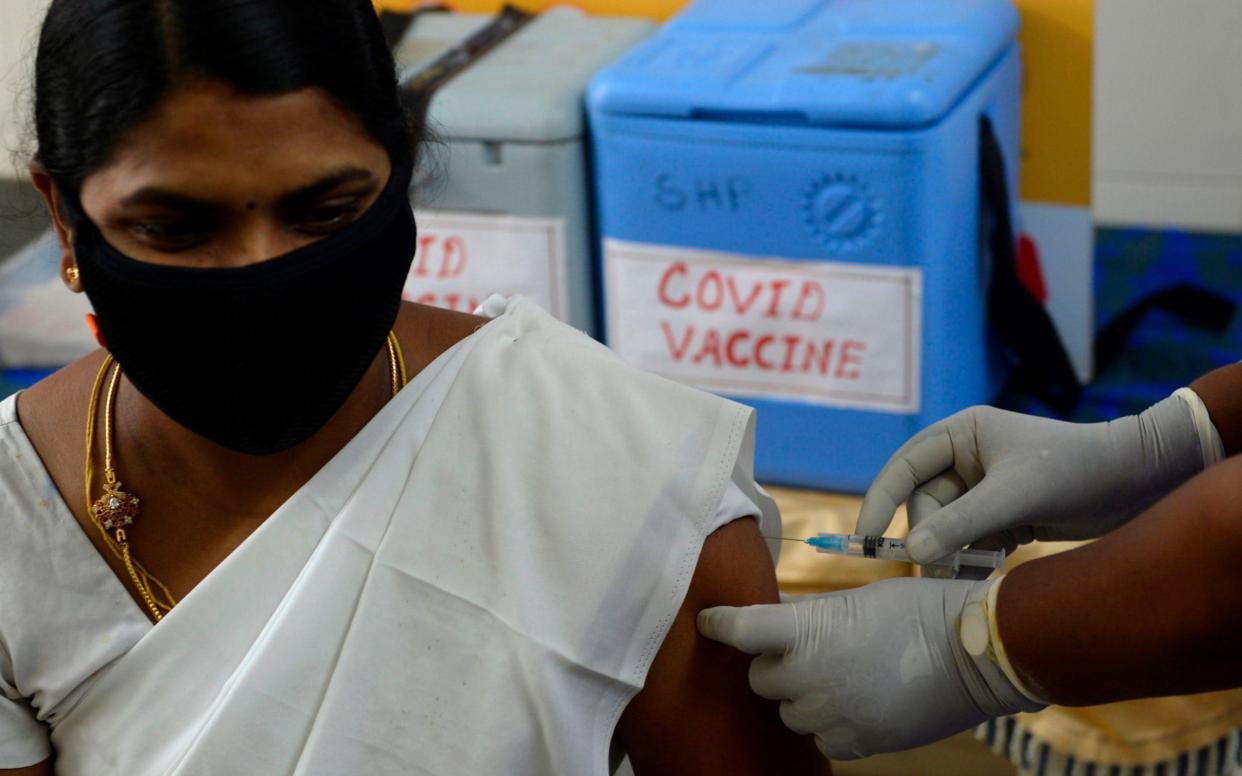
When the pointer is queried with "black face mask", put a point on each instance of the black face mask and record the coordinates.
(255, 358)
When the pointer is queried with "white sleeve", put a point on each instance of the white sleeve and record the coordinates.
(23, 739)
(493, 306)
(743, 497)
(734, 505)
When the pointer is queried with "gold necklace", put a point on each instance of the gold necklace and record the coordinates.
(116, 508)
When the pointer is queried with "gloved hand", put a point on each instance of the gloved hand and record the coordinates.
(881, 668)
(997, 479)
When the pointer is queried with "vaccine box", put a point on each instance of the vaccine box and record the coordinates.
(503, 205)
(789, 202)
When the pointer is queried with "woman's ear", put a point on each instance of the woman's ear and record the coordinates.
(51, 197)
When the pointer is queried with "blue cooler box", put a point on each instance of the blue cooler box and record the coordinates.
(789, 204)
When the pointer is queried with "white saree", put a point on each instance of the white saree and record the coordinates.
(475, 589)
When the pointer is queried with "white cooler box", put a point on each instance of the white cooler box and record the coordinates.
(503, 204)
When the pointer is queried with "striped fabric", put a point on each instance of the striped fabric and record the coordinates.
(1009, 738)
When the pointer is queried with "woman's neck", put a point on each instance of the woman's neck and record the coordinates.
(205, 479)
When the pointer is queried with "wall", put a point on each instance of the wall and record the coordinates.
(19, 23)
(1056, 40)
(1168, 113)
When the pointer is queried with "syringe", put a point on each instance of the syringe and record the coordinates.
(895, 549)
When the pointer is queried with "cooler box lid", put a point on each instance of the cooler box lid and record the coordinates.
(527, 89)
(843, 63)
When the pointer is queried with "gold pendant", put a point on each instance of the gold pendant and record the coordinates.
(115, 508)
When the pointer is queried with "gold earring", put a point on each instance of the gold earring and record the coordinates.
(72, 273)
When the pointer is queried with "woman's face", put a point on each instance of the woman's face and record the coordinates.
(217, 178)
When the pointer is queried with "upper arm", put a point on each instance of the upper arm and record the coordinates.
(1221, 392)
(696, 713)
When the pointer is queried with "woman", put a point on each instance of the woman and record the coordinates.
(314, 529)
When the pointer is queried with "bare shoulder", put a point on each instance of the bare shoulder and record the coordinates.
(53, 411)
(696, 713)
(53, 416)
(425, 332)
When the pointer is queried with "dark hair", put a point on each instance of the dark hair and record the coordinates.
(105, 65)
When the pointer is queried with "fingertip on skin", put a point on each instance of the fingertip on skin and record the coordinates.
(755, 630)
(724, 624)
(711, 622)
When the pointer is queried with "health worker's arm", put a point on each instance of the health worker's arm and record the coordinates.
(696, 713)
(1221, 391)
(1154, 608)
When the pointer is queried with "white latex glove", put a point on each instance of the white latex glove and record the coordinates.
(877, 669)
(996, 479)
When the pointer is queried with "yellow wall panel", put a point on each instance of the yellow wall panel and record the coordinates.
(1057, 43)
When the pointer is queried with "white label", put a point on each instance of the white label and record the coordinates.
(830, 333)
(463, 258)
